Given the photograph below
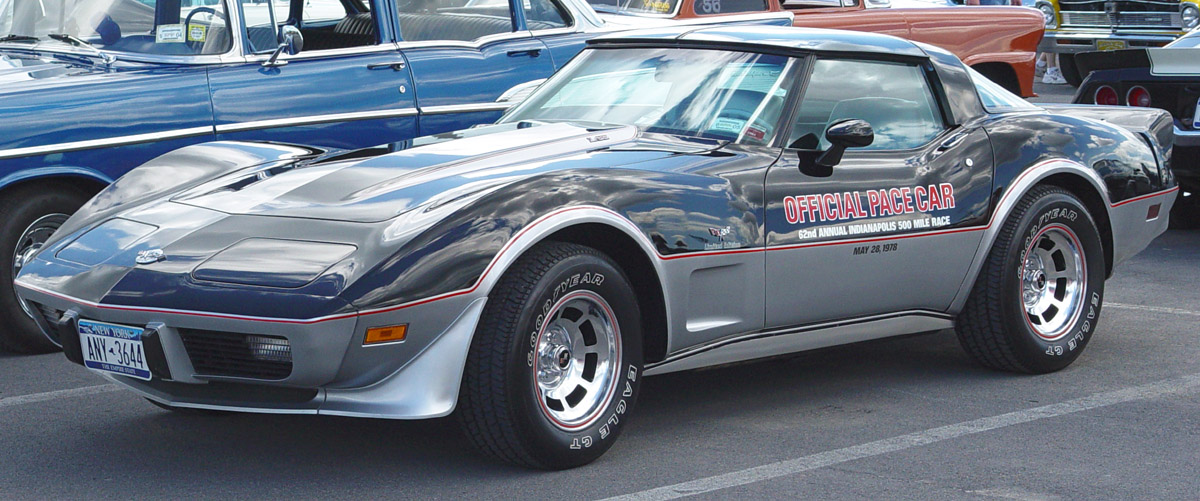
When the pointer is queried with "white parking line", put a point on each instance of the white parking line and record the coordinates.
(902, 442)
(1156, 309)
(55, 395)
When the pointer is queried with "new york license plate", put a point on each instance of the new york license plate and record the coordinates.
(113, 348)
(1110, 44)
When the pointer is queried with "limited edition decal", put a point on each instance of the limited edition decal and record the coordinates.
(854, 205)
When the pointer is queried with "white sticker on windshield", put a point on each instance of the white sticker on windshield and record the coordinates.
(169, 33)
(729, 125)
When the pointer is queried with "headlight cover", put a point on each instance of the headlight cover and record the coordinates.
(270, 262)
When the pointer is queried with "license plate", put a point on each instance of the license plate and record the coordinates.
(1110, 44)
(113, 348)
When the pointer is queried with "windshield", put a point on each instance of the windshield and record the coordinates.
(718, 94)
(635, 6)
(165, 27)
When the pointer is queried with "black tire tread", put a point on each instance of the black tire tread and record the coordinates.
(980, 326)
(486, 415)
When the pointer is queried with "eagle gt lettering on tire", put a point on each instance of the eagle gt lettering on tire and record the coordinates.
(554, 368)
(1036, 302)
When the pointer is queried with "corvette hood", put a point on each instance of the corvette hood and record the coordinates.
(433, 170)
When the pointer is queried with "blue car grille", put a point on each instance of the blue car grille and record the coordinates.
(229, 354)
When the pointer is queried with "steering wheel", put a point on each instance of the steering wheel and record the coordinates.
(187, 23)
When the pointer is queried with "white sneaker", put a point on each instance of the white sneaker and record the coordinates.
(1053, 76)
(1039, 68)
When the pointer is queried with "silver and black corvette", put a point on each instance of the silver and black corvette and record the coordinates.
(671, 199)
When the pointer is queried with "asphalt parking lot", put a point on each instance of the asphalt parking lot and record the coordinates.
(895, 419)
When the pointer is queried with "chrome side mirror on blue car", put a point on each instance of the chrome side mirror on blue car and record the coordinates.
(290, 41)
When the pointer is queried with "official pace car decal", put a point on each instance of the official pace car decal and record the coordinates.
(853, 205)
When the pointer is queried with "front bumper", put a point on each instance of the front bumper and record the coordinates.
(331, 371)
(1068, 41)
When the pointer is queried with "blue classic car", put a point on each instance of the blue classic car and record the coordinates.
(89, 91)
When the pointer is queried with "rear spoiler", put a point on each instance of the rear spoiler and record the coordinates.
(1160, 60)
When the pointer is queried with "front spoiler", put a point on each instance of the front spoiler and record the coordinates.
(427, 387)
(424, 388)
(333, 373)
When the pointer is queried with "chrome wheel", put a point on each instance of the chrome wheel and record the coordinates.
(578, 353)
(1053, 279)
(30, 242)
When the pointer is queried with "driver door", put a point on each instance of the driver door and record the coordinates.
(896, 224)
(347, 88)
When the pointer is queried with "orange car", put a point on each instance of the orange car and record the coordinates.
(999, 42)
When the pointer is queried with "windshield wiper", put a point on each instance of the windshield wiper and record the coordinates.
(79, 42)
(18, 38)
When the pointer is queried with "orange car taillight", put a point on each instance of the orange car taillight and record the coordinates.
(1106, 95)
(1138, 96)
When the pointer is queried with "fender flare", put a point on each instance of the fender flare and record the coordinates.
(539, 229)
(49, 173)
(408, 393)
(1016, 190)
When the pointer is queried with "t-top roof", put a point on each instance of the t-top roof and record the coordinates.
(778, 37)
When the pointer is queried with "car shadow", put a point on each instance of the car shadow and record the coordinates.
(289, 450)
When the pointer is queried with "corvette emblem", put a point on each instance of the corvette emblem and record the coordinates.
(150, 256)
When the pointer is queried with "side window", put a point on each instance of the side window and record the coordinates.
(711, 7)
(544, 15)
(460, 20)
(894, 98)
(315, 11)
(260, 25)
(326, 24)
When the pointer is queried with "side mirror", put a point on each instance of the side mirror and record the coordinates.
(290, 41)
(852, 133)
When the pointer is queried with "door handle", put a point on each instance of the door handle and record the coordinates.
(397, 66)
(952, 142)
(525, 52)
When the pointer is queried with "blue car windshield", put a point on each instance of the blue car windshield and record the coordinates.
(736, 96)
(162, 27)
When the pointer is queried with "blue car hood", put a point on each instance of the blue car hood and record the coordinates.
(431, 171)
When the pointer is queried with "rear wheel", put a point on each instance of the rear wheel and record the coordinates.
(554, 368)
(28, 217)
(1036, 302)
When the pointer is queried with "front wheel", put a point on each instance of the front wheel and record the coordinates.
(28, 217)
(1036, 302)
(555, 365)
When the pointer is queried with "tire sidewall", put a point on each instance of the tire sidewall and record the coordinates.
(25, 210)
(1054, 209)
(576, 447)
